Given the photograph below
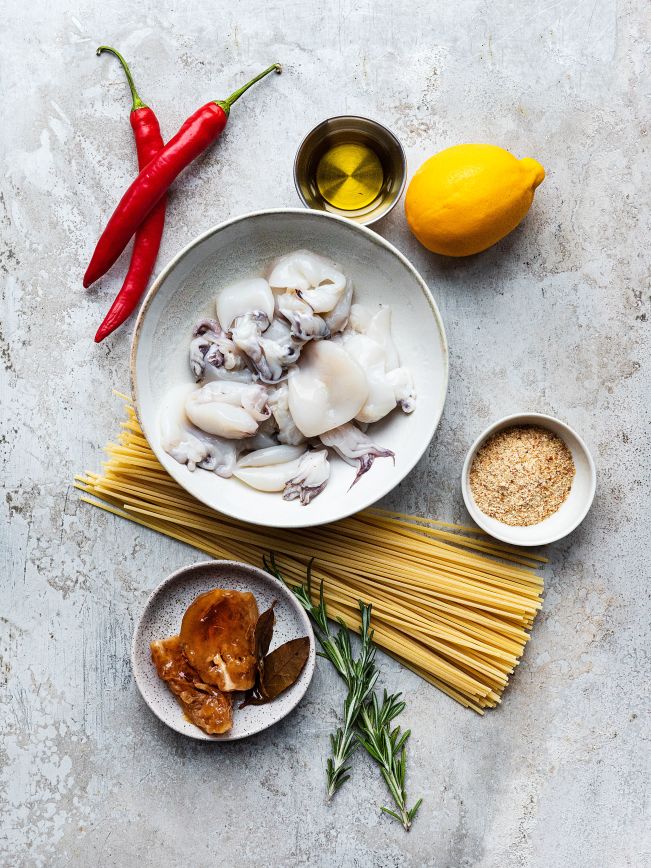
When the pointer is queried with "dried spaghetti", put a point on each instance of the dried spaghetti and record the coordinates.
(450, 603)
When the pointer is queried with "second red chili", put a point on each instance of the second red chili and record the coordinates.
(149, 142)
(197, 133)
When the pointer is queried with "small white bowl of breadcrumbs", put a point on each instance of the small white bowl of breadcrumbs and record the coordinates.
(528, 480)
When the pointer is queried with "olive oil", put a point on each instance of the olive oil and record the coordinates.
(350, 166)
(349, 176)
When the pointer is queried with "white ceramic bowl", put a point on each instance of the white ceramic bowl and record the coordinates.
(572, 511)
(162, 617)
(186, 290)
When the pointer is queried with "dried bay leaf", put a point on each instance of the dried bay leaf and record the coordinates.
(281, 669)
(264, 629)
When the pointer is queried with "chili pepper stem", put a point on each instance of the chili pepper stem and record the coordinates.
(226, 104)
(137, 102)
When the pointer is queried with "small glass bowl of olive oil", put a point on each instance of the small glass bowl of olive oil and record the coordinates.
(351, 166)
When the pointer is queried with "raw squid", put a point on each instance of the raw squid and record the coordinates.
(299, 474)
(369, 355)
(271, 455)
(271, 477)
(247, 332)
(230, 410)
(386, 388)
(354, 447)
(287, 431)
(315, 278)
(359, 318)
(242, 297)
(264, 437)
(305, 325)
(379, 329)
(403, 387)
(187, 444)
(243, 375)
(337, 318)
(328, 389)
(212, 347)
(287, 360)
(311, 478)
(269, 353)
(372, 346)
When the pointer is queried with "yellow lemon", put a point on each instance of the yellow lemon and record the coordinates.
(464, 199)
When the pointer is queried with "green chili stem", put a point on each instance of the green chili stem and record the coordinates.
(137, 102)
(227, 103)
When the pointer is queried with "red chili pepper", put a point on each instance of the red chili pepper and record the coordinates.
(148, 237)
(197, 133)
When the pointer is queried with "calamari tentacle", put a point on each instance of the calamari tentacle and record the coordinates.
(354, 446)
(212, 348)
(268, 357)
(311, 478)
(305, 325)
(187, 444)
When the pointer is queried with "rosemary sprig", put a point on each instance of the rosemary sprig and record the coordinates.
(358, 674)
(367, 721)
(388, 749)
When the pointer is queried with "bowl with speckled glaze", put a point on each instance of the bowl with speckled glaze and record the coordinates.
(162, 617)
(185, 292)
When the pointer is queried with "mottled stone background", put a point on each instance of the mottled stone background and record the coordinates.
(554, 318)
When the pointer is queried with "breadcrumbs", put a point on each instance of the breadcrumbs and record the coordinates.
(521, 475)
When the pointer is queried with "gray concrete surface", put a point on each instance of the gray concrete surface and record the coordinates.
(555, 318)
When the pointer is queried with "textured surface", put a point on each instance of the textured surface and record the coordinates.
(555, 318)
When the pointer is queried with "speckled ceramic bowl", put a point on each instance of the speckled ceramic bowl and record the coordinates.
(185, 291)
(162, 618)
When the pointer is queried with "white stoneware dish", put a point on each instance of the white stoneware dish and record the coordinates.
(186, 290)
(572, 511)
(162, 618)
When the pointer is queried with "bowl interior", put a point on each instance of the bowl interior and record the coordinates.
(186, 291)
(162, 618)
(573, 510)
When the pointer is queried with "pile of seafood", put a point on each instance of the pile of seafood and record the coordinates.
(289, 372)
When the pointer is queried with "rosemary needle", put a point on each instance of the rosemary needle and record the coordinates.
(388, 749)
(367, 721)
(359, 675)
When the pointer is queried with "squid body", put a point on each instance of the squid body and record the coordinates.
(288, 364)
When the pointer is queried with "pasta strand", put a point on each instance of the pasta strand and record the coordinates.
(450, 603)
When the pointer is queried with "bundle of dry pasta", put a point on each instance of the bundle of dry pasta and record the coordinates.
(451, 604)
